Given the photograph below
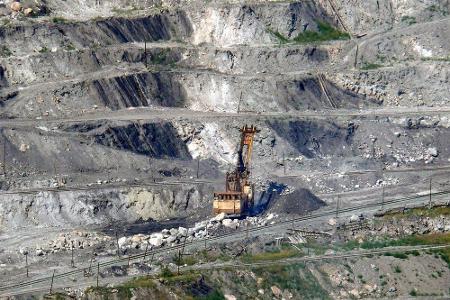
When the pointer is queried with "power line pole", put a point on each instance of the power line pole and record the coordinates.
(337, 206)
(117, 243)
(145, 53)
(72, 262)
(382, 199)
(239, 103)
(429, 205)
(145, 253)
(4, 157)
(98, 271)
(26, 262)
(198, 166)
(51, 284)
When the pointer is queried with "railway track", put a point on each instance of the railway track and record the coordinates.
(240, 234)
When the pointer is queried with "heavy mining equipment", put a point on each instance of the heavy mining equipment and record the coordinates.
(237, 200)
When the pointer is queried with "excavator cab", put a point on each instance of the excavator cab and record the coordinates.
(237, 199)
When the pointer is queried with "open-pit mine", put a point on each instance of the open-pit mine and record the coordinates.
(222, 149)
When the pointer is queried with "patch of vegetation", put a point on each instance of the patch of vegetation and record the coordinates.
(273, 255)
(6, 22)
(371, 66)
(95, 46)
(105, 292)
(59, 20)
(397, 255)
(413, 293)
(56, 296)
(43, 50)
(183, 286)
(281, 38)
(420, 211)
(160, 57)
(123, 11)
(294, 277)
(325, 32)
(444, 59)
(397, 269)
(4, 51)
(184, 260)
(409, 20)
(166, 272)
(70, 47)
(381, 58)
(318, 248)
(412, 240)
(436, 8)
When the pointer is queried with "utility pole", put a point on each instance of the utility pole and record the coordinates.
(337, 206)
(72, 262)
(178, 262)
(90, 266)
(284, 163)
(246, 229)
(51, 284)
(4, 157)
(239, 103)
(382, 199)
(117, 242)
(198, 166)
(206, 233)
(145, 53)
(26, 262)
(98, 271)
(429, 205)
(145, 253)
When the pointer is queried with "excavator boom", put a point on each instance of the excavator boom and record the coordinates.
(238, 196)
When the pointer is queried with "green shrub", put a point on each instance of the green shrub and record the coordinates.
(281, 38)
(409, 20)
(59, 20)
(325, 32)
(371, 66)
(165, 272)
(5, 52)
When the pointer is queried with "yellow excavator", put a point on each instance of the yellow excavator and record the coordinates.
(237, 200)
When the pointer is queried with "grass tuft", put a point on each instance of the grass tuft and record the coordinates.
(371, 66)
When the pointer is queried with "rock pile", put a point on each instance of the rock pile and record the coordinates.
(200, 230)
(71, 240)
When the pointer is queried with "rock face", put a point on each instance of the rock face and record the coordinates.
(100, 207)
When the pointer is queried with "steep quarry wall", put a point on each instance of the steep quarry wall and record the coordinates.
(22, 39)
(101, 207)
